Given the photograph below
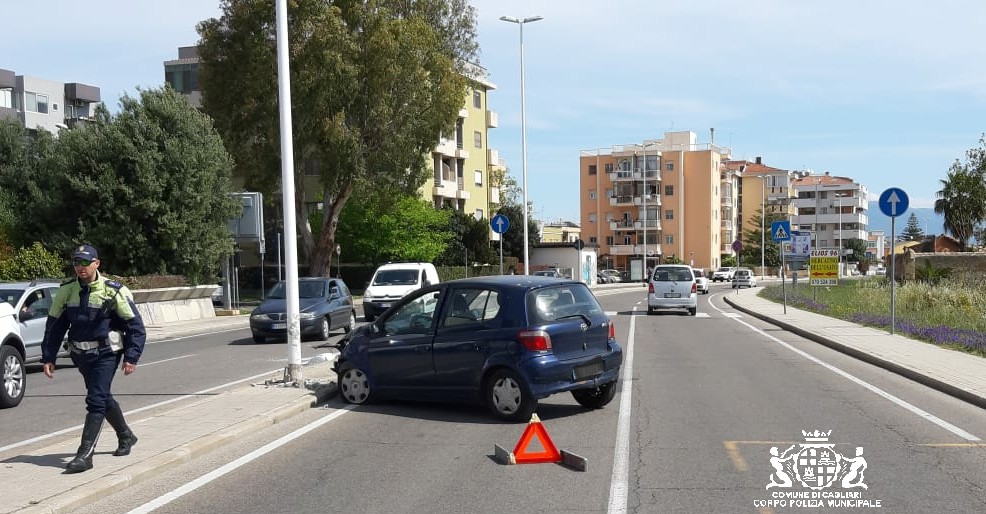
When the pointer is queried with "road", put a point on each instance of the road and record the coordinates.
(704, 400)
(169, 371)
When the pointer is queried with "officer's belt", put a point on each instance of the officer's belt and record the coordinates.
(84, 346)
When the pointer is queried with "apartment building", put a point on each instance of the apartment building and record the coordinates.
(466, 173)
(559, 232)
(45, 104)
(661, 198)
(832, 208)
(761, 192)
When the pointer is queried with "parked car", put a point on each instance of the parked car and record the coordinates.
(701, 281)
(325, 305)
(11, 358)
(724, 274)
(672, 286)
(744, 277)
(553, 273)
(880, 270)
(394, 280)
(31, 302)
(614, 275)
(602, 278)
(504, 341)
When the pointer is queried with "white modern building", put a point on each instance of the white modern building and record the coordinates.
(41, 103)
(831, 208)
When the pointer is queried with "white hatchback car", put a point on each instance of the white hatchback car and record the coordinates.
(672, 286)
(701, 280)
(744, 277)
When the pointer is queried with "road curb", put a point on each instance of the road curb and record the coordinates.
(893, 367)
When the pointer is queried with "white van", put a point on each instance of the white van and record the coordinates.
(392, 281)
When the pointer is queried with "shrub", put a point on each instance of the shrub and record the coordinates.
(30, 263)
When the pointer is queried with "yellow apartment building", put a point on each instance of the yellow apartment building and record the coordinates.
(559, 232)
(758, 188)
(662, 197)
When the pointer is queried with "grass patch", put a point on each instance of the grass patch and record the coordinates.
(951, 313)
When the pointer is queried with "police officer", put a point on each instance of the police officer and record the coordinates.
(89, 307)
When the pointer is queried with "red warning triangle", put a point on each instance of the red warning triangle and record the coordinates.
(535, 430)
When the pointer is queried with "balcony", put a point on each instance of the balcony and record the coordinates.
(492, 157)
(446, 189)
(463, 113)
(621, 225)
(446, 147)
(492, 119)
(461, 153)
(651, 200)
(652, 224)
(620, 175)
(621, 200)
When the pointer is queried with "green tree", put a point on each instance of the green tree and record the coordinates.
(372, 85)
(912, 231)
(858, 247)
(513, 238)
(962, 198)
(750, 254)
(468, 235)
(150, 188)
(402, 229)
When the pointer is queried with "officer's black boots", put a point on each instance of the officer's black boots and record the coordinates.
(90, 434)
(125, 436)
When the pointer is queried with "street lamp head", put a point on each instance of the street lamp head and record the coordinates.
(532, 18)
(512, 19)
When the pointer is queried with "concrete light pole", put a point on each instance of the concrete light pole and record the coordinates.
(523, 129)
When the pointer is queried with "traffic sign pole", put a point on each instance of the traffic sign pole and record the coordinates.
(893, 202)
(893, 275)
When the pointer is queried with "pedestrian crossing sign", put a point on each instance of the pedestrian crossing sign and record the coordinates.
(780, 230)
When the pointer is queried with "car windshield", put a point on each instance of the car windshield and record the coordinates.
(396, 277)
(11, 296)
(554, 303)
(306, 289)
(672, 275)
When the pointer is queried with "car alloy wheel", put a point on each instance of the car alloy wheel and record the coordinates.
(354, 386)
(352, 322)
(507, 398)
(14, 379)
(595, 398)
(323, 330)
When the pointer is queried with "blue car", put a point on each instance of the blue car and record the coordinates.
(504, 341)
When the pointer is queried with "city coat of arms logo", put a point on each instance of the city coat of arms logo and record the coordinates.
(816, 465)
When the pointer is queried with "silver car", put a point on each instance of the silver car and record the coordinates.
(744, 278)
(31, 301)
(672, 286)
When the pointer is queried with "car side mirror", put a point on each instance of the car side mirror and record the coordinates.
(25, 315)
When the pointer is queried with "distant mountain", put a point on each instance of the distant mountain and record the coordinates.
(930, 222)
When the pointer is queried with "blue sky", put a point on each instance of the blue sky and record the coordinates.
(888, 93)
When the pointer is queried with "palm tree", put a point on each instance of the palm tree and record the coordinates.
(962, 201)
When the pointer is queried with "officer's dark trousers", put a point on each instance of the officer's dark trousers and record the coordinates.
(98, 367)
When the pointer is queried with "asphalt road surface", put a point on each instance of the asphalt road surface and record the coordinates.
(704, 401)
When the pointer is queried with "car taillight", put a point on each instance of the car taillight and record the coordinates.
(535, 340)
(650, 287)
(612, 330)
(694, 287)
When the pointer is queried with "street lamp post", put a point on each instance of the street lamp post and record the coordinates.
(523, 129)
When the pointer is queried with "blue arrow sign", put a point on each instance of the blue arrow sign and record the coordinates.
(780, 230)
(894, 202)
(499, 223)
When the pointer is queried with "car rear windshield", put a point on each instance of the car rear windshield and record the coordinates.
(672, 274)
(699, 273)
(561, 302)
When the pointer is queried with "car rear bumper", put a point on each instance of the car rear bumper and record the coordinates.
(659, 302)
(547, 375)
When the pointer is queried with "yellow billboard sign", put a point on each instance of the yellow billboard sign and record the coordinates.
(824, 268)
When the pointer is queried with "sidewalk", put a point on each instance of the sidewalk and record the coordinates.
(33, 480)
(958, 374)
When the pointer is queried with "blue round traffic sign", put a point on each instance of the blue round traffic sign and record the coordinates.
(499, 223)
(893, 202)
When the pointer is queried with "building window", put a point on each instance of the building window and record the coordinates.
(668, 190)
(609, 167)
(669, 166)
(30, 102)
(477, 99)
(478, 177)
(669, 214)
(479, 214)
(43, 104)
(609, 240)
(592, 169)
(592, 217)
(669, 239)
(6, 98)
(592, 194)
(477, 139)
(593, 240)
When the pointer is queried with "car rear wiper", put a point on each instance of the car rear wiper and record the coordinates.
(583, 316)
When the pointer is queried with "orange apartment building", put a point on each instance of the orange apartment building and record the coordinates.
(663, 197)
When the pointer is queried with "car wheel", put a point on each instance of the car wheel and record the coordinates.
(693, 311)
(323, 330)
(507, 398)
(595, 398)
(354, 386)
(14, 378)
(258, 339)
(352, 322)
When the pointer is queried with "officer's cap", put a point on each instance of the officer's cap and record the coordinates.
(87, 252)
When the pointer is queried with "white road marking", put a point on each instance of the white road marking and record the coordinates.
(145, 364)
(880, 392)
(732, 315)
(619, 483)
(165, 499)
(702, 315)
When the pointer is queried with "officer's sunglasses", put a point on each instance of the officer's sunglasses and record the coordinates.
(82, 262)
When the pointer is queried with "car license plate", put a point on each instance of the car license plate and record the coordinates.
(672, 295)
(384, 305)
(279, 326)
(589, 370)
